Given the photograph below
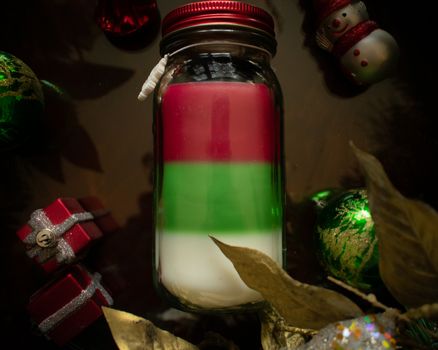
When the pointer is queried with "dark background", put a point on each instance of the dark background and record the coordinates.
(97, 140)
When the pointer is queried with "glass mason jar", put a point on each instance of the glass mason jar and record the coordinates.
(218, 152)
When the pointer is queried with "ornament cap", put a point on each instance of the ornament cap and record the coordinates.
(224, 12)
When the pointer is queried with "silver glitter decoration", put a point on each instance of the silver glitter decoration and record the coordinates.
(39, 221)
(54, 319)
(65, 252)
(371, 332)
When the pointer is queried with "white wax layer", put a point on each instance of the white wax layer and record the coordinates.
(193, 268)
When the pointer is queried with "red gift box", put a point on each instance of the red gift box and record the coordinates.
(55, 235)
(66, 307)
(102, 217)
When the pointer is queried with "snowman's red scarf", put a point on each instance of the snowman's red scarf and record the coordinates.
(353, 36)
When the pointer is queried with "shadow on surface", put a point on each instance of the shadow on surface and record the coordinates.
(404, 131)
(51, 37)
(59, 136)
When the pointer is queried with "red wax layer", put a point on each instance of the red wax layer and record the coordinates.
(219, 121)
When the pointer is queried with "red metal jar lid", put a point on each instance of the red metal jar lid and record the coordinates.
(223, 12)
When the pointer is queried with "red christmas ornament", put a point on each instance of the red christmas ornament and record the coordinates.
(128, 24)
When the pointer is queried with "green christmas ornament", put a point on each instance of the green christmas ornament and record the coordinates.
(21, 101)
(347, 242)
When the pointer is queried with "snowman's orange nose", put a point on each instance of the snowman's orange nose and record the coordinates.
(336, 23)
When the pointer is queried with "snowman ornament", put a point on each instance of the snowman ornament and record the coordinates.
(366, 53)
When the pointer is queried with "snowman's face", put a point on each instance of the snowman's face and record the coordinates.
(339, 22)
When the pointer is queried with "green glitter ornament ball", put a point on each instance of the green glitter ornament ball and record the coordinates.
(346, 240)
(21, 101)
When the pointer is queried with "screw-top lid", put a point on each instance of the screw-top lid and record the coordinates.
(223, 12)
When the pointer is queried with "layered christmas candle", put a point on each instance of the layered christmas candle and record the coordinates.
(219, 174)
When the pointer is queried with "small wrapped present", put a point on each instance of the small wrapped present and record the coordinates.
(65, 307)
(102, 216)
(55, 235)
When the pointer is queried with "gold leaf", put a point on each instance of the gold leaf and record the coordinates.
(301, 305)
(429, 311)
(407, 232)
(277, 335)
(131, 332)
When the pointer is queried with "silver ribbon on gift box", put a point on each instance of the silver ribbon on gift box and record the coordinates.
(46, 238)
(73, 305)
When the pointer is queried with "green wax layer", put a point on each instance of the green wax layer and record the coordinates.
(220, 197)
